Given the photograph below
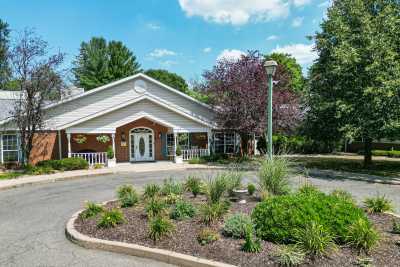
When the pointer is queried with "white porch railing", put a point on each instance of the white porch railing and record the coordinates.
(92, 158)
(194, 153)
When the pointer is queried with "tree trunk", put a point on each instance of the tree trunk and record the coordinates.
(244, 144)
(367, 152)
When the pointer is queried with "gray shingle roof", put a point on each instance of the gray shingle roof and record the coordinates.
(6, 105)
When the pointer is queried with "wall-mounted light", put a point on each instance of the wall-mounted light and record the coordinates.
(123, 137)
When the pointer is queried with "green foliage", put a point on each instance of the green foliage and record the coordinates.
(172, 198)
(394, 154)
(236, 225)
(273, 176)
(171, 79)
(92, 209)
(197, 161)
(251, 244)
(159, 227)
(67, 164)
(193, 184)
(38, 170)
(289, 256)
(251, 188)
(396, 227)
(314, 239)
(151, 191)
(178, 151)
(155, 207)
(362, 235)
(289, 63)
(99, 63)
(353, 90)
(216, 187)
(233, 181)
(183, 210)
(5, 70)
(344, 195)
(211, 212)
(171, 187)
(279, 218)
(98, 166)
(55, 164)
(111, 218)
(127, 196)
(207, 236)
(378, 204)
(110, 152)
(364, 262)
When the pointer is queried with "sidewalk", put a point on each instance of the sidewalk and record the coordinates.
(120, 168)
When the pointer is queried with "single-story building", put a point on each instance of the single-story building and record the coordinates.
(141, 118)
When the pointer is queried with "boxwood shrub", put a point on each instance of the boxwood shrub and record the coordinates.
(67, 164)
(278, 218)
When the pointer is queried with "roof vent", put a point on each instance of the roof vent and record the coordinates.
(140, 86)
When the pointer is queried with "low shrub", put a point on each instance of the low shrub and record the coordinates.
(197, 161)
(38, 170)
(155, 206)
(362, 235)
(193, 185)
(110, 152)
(159, 227)
(69, 164)
(289, 256)
(207, 236)
(278, 218)
(171, 187)
(252, 244)
(111, 218)
(216, 188)
(211, 212)
(343, 195)
(183, 210)
(127, 196)
(91, 210)
(235, 225)
(251, 189)
(98, 166)
(172, 198)
(151, 191)
(396, 227)
(273, 176)
(380, 153)
(394, 154)
(55, 164)
(378, 204)
(314, 239)
(233, 181)
(309, 189)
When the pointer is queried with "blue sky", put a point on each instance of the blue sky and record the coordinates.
(183, 36)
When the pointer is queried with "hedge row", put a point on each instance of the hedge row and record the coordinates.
(384, 153)
(67, 164)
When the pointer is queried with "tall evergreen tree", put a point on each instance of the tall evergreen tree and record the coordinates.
(4, 64)
(99, 63)
(354, 88)
(169, 78)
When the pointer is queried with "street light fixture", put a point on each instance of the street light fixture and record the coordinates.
(270, 67)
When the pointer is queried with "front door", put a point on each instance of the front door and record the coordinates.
(141, 145)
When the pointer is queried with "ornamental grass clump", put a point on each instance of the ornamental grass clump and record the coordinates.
(362, 235)
(289, 256)
(233, 181)
(378, 204)
(171, 187)
(212, 212)
(207, 236)
(314, 239)
(91, 210)
(127, 196)
(216, 188)
(111, 218)
(155, 207)
(183, 210)
(396, 227)
(235, 225)
(160, 226)
(193, 184)
(344, 195)
(252, 244)
(151, 191)
(273, 176)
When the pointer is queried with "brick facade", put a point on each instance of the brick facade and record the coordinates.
(45, 147)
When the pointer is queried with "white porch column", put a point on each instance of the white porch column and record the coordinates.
(113, 143)
(175, 142)
(209, 141)
(69, 144)
(1, 148)
(59, 145)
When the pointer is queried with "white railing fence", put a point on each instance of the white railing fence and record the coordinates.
(92, 158)
(189, 154)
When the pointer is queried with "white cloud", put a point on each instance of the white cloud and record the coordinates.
(153, 26)
(303, 53)
(297, 22)
(301, 2)
(230, 55)
(237, 12)
(168, 63)
(207, 50)
(157, 53)
(272, 37)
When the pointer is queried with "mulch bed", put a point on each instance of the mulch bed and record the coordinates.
(227, 249)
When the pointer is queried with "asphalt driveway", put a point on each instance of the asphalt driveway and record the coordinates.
(32, 218)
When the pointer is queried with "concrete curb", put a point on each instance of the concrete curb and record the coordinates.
(161, 255)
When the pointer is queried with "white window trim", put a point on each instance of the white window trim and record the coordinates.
(13, 150)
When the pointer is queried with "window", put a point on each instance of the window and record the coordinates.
(10, 147)
(150, 146)
(224, 143)
(183, 140)
(170, 144)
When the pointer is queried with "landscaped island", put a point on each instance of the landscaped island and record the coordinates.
(267, 226)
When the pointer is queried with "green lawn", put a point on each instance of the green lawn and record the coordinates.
(10, 175)
(385, 168)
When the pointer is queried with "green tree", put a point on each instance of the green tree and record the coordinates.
(99, 63)
(289, 63)
(355, 83)
(4, 63)
(169, 78)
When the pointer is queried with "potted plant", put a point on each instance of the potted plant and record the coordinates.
(103, 139)
(178, 155)
(111, 161)
(80, 139)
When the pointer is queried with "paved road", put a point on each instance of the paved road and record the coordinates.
(32, 218)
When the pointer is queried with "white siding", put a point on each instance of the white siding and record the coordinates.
(107, 98)
(109, 122)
